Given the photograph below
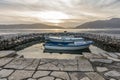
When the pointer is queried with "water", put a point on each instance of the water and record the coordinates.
(13, 31)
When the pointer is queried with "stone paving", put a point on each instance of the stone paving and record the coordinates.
(87, 67)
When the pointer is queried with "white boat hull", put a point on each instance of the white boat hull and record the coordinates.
(66, 48)
(55, 40)
(65, 39)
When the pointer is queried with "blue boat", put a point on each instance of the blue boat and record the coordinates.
(76, 45)
(64, 39)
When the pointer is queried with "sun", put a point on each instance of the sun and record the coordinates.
(52, 16)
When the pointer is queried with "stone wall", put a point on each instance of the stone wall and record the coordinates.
(7, 43)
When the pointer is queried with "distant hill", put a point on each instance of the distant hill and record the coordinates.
(112, 23)
(29, 26)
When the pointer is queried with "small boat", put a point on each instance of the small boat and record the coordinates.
(77, 45)
(64, 39)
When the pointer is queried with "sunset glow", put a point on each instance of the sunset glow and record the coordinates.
(68, 13)
(52, 16)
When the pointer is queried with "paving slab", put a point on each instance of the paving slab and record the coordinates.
(21, 75)
(4, 61)
(31, 79)
(94, 76)
(5, 73)
(92, 56)
(63, 75)
(48, 66)
(7, 54)
(67, 65)
(102, 60)
(76, 75)
(47, 78)
(73, 76)
(20, 63)
(85, 78)
(39, 74)
(84, 64)
(33, 65)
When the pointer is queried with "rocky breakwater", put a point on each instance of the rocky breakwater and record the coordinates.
(109, 43)
(8, 42)
(89, 66)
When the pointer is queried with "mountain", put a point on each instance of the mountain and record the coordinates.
(112, 23)
(29, 26)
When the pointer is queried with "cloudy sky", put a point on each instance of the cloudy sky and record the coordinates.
(67, 13)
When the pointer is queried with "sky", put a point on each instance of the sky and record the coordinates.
(66, 13)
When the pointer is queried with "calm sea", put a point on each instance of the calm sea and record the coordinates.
(115, 32)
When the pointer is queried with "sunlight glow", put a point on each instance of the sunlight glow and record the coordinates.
(53, 16)
(50, 16)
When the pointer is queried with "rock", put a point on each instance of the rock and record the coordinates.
(94, 76)
(85, 78)
(20, 63)
(101, 60)
(112, 74)
(118, 54)
(21, 75)
(112, 79)
(84, 64)
(62, 75)
(5, 73)
(7, 54)
(101, 69)
(58, 79)
(113, 55)
(40, 74)
(3, 79)
(47, 78)
(33, 65)
(4, 61)
(92, 56)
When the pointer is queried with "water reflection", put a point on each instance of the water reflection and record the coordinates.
(13, 31)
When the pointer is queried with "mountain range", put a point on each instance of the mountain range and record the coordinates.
(29, 26)
(112, 23)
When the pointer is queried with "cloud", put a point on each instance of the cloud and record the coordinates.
(79, 11)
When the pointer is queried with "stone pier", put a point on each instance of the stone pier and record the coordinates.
(89, 66)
